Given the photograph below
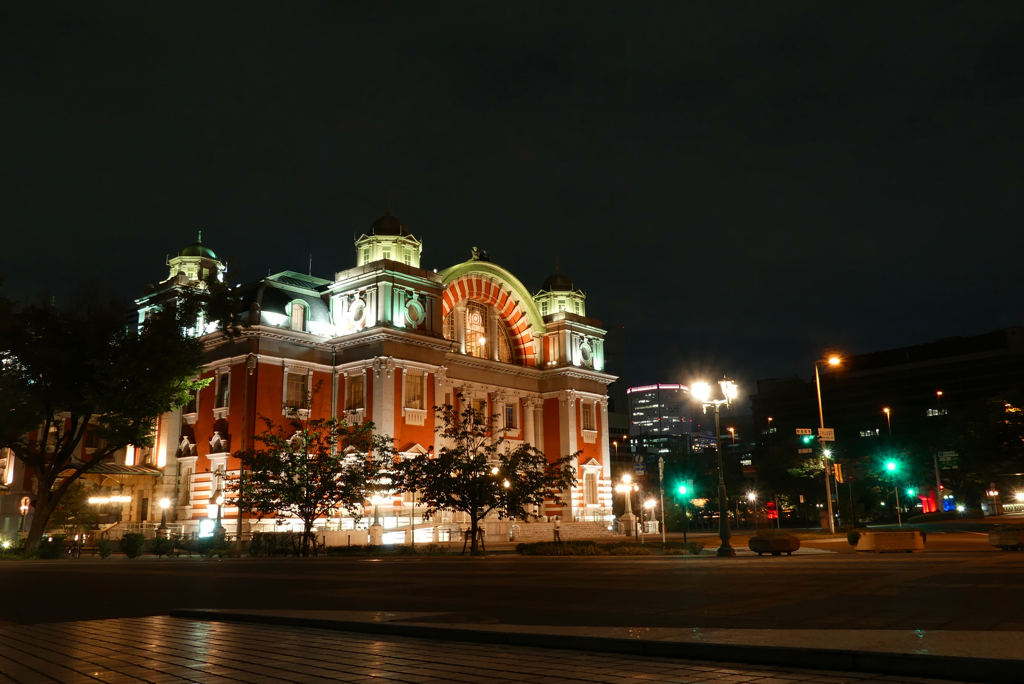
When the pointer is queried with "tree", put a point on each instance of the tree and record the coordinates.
(477, 472)
(310, 470)
(64, 373)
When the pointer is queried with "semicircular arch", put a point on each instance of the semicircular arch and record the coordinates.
(492, 285)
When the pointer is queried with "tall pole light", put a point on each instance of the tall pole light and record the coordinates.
(626, 488)
(833, 360)
(752, 498)
(892, 468)
(702, 392)
(661, 487)
(888, 418)
(162, 530)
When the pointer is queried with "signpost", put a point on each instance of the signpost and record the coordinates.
(661, 486)
(638, 465)
(803, 431)
(827, 434)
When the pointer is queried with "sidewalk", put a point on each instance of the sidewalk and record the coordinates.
(967, 656)
(164, 650)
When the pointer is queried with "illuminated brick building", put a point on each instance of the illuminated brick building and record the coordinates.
(385, 341)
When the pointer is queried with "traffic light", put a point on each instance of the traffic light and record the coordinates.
(838, 468)
(911, 492)
(892, 466)
(807, 439)
(685, 490)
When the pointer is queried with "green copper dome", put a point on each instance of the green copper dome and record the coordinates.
(197, 250)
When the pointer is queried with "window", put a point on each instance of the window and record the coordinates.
(590, 488)
(386, 253)
(869, 433)
(295, 396)
(512, 416)
(504, 344)
(481, 409)
(366, 255)
(476, 330)
(298, 316)
(185, 487)
(193, 403)
(588, 417)
(414, 382)
(449, 326)
(576, 307)
(561, 305)
(544, 308)
(355, 393)
(935, 412)
(223, 389)
(408, 259)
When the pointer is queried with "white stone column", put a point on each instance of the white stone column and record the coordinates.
(492, 334)
(460, 326)
(384, 395)
(528, 426)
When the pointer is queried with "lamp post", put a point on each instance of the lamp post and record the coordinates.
(162, 530)
(626, 488)
(888, 418)
(752, 498)
(218, 499)
(649, 505)
(25, 503)
(702, 392)
(833, 360)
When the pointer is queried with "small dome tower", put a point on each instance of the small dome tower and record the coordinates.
(558, 293)
(196, 262)
(388, 238)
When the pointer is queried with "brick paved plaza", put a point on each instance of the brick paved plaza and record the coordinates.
(164, 650)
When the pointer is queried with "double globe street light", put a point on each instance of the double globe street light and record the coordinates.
(701, 391)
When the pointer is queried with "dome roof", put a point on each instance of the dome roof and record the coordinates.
(197, 250)
(389, 225)
(558, 282)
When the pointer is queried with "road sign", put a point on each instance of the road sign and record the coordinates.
(638, 459)
(949, 460)
(805, 451)
(827, 434)
(804, 431)
(639, 468)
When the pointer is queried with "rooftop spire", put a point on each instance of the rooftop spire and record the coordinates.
(199, 240)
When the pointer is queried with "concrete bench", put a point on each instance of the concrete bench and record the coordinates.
(776, 545)
(1007, 540)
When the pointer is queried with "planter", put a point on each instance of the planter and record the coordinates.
(890, 542)
(1007, 540)
(775, 545)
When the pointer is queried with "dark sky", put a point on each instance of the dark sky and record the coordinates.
(739, 185)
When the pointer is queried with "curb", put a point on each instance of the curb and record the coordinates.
(994, 670)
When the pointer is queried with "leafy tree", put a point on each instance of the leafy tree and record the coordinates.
(476, 472)
(73, 514)
(64, 373)
(310, 470)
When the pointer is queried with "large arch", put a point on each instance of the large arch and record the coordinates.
(484, 282)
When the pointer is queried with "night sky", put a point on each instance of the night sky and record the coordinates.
(740, 185)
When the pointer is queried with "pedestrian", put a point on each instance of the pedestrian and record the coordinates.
(558, 530)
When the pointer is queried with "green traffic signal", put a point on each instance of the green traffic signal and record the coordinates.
(911, 492)
(682, 489)
(807, 439)
(891, 466)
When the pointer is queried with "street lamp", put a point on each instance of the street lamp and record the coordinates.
(702, 392)
(25, 503)
(833, 360)
(218, 498)
(162, 530)
(649, 505)
(626, 488)
(888, 418)
(752, 498)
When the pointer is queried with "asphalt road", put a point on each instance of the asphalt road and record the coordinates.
(972, 588)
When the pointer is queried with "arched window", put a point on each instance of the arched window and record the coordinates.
(449, 325)
(476, 330)
(298, 316)
(504, 344)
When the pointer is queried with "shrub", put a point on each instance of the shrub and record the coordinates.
(853, 536)
(163, 546)
(570, 548)
(630, 550)
(132, 544)
(105, 547)
(52, 547)
(694, 547)
(276, 544)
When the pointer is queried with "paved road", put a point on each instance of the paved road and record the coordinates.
(171, 651)
(940, 590)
